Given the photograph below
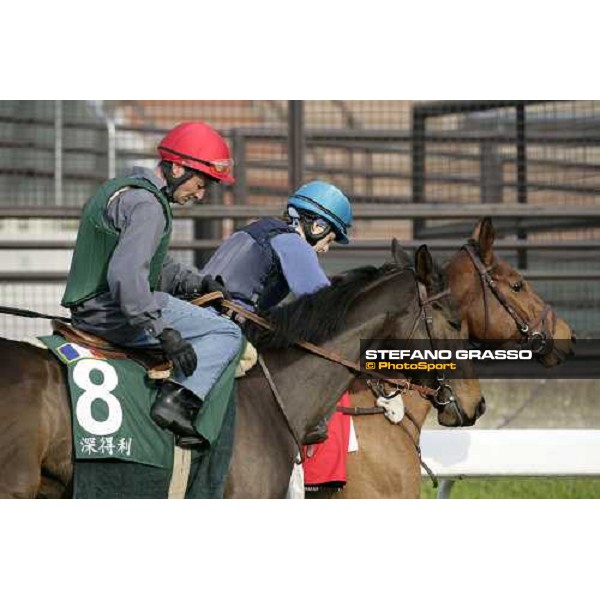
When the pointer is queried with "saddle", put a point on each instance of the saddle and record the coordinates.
(152, 359)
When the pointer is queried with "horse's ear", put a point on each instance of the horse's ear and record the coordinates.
(424, 266)
(485, 240)
(477, 230)
(401, 256)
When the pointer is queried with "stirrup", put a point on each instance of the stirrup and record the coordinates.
(192, 442)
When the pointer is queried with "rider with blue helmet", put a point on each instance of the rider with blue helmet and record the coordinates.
(324, 205)
(269, 258)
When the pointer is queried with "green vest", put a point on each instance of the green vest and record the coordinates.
(97, 240)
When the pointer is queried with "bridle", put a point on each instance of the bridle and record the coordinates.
(444, 393)
(535, 336)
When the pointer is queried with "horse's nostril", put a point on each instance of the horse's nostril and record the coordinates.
(481, 407)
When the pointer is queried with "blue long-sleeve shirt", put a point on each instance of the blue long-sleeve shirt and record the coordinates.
(299, 263)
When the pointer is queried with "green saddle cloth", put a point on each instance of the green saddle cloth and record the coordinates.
(119, 451)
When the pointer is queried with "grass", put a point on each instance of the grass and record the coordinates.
(508, 487)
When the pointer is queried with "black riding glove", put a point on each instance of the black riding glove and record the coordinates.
(206, 285)
(178, 351)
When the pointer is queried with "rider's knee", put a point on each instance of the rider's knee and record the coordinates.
(232, 330)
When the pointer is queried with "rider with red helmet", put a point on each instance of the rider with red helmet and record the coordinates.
(198, 150)
(122, 285)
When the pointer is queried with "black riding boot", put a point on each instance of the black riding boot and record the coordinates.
(176, 409)
(317, 434)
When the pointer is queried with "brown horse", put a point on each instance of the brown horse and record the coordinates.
(396, 473)
(368, 303)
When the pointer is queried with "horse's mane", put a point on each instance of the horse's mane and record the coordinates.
(318, 317)
(314, 317)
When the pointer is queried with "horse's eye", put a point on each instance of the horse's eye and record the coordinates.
(517, 287)
(456, 325)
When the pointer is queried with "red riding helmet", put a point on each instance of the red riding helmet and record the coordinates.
(198, 146)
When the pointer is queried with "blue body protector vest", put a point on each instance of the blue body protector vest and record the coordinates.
(250, 267)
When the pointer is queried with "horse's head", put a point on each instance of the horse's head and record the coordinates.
(498, 304)
(458, 401)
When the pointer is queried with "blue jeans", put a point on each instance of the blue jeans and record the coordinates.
(215, 339)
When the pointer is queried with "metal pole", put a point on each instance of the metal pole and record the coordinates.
(490, 173)
(240, 190)
(58, 152)
(112, 146)
(418, 164)
(444, 489)
(296, 143)
(521, 178)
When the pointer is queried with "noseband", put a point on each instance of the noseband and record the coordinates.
(534, 336)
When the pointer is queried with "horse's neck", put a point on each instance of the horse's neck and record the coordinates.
(310, 386)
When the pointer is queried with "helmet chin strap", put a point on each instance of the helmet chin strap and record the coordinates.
(173, 182)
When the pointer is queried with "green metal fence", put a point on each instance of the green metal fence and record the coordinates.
(453, 160)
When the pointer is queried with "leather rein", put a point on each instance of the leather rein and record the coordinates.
(376, 380)
(400, 384)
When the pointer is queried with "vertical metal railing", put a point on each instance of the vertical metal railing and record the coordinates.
(240, 190)
(58, 152)
(111, 143)
(418, 164)
(296, 144)
(521, 178)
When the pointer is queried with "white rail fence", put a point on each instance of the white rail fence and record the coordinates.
(481, 453)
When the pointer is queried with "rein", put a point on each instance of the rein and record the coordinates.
(399, 384)
(327, 354)
(280, 404)
(30, 314)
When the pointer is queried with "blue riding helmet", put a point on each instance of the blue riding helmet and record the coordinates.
(327, 201)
